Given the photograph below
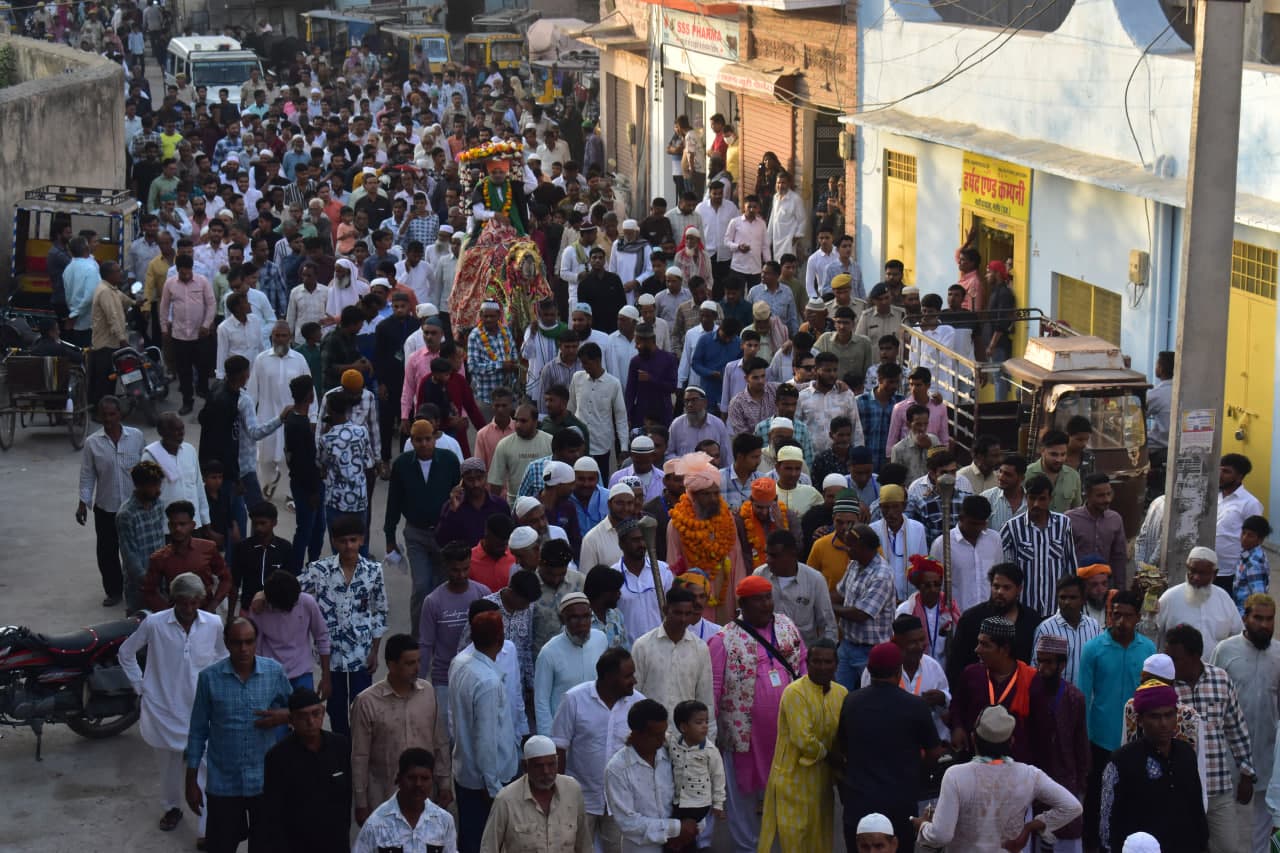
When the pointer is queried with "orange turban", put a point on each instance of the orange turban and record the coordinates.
(764, 490)
(1089, 571)
(352, 381)
(753, 585)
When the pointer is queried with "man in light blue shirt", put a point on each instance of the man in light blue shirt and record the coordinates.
(484, 734)
(238, 703)
(567, 660)
(79, 280)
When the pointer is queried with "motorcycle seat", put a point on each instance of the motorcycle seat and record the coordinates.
(87, 639)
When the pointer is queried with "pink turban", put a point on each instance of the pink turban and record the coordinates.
(698, 472)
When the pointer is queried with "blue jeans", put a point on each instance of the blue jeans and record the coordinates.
(346, 686)
(473, 814)
(999, 355)
(852, 660)
(308, 538)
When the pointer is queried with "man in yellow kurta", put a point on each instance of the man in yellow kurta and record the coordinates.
(799, 802)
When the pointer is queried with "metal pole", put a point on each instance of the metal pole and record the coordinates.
(1195, 433)
(946, 486)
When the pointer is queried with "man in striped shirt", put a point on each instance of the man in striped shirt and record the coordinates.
(1071, 623)
(1040, 542)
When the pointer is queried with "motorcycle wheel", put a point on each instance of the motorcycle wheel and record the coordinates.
(95, 728)
(101, 728)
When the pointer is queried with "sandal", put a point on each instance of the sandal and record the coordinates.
(169, 822)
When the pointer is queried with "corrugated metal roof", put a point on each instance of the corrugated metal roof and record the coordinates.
(1070, 163)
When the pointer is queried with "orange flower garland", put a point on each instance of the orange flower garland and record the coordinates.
(706, 542)
(755, 531)
(506, 200)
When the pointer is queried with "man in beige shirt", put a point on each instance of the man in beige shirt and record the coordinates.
(109, 331)
(541, 811)
(389, 717)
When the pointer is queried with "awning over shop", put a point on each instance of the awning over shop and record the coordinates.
(616, 34)
(1070, 163)
(759, 77)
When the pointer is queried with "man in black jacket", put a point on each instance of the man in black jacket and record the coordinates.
(604, 292)
(307, 784)
(388, 365)
(1151, 784)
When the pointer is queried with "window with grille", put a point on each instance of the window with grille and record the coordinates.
(1253, 269)
(1088, 309)
(901, 167)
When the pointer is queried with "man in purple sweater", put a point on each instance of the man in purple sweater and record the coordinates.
(444, 615)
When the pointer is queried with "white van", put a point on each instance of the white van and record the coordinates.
(217, 62)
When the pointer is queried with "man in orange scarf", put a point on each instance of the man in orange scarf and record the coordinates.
(759, 517)
(702, 534)
(1000, 679)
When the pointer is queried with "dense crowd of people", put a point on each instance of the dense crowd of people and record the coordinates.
(681, 561)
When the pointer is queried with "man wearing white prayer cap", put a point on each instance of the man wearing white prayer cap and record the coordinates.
(1200, 603)
(541, 811)
(875, 834)
(629, 259)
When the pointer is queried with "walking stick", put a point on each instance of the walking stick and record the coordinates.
(946, 486)
(649, 527)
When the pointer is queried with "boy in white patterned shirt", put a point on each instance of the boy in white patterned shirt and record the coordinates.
(696, 766)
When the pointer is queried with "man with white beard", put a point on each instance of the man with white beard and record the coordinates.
(1199, 603)
(1252, 661)
(269, 386)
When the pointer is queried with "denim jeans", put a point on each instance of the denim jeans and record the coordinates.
(424, 568)
(308, 538)
(999, 355)
(852, 660)
(346, 686)
(473, 813)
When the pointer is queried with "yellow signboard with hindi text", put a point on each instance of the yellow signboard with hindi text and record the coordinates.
(996, 187)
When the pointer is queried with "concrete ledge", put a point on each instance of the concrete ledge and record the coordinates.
(63, 124)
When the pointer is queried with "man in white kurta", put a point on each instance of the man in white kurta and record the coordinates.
(1252, 660)
(1200, 603)
(181, 466)
(787, 221)
(269, 380)
(179, 643)
(672, 663)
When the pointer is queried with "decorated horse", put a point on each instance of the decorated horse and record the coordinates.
(500, 262)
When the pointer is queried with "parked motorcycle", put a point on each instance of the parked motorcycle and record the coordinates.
(141, 379)
(69, 678)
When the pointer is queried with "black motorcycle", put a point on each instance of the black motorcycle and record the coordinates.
(69, 678)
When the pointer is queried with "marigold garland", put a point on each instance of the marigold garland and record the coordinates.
(506, 199)
(706, 542)
(488, 346)
(755, 531)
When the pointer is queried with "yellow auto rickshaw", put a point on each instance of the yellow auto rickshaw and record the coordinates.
(402, 42)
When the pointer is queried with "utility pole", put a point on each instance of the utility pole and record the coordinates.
(1195, 430)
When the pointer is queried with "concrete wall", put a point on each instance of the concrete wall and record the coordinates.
(63, 124)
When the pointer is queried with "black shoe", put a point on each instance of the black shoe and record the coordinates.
(187, 408)
(169, 822)
(111, 601)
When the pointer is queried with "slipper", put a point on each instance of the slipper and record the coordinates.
(169, 822)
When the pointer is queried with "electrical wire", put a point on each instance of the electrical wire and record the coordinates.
(1007, 33)
(1128, 119)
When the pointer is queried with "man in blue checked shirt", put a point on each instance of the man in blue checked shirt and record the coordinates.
(239, 702)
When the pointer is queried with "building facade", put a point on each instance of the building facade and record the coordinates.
(1065, 152)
